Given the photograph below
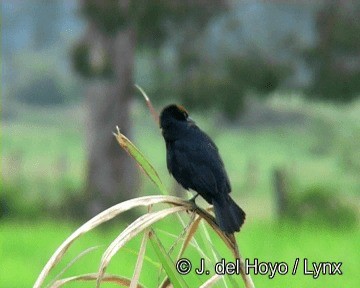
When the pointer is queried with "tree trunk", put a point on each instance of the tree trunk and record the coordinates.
(111, 174)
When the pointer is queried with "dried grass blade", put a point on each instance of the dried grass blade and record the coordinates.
(190, 234)
(212, 248)
(92, 277)
(130, 232)
(230, 241)
(101, 218)
(211, 221)
(139, 262)
(153, 112)
(211, 281)
(83, 253)
(195, 244)
(246, 277)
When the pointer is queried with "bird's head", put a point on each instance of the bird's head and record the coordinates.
(173, 113)
(173, 117)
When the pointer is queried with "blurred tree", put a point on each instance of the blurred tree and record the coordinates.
(336, 58)
(106, 53)
(35, 36)
(243, 52)
(226, 90)
(45, 35)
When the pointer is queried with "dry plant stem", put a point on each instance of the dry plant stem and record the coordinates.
(102, 217)
(182, 234)
(190, 234)
(246, 277)
(153, 112)
(71, 263)
(229, 240)
(92, 277)
(211, 281)
(131, 231)
(139, 262)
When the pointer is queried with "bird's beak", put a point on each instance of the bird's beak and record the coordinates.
(189, 119)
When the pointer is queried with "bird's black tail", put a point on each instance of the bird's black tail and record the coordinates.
(229, 216)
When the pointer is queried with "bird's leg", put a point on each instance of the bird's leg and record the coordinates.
(193, 198)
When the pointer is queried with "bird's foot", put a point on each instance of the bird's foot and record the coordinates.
(192, 200)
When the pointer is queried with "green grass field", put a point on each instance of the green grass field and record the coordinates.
(43, 159)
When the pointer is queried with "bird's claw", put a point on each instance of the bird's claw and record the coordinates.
(192, 200)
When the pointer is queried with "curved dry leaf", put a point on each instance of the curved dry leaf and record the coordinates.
(130, 232)
(83, 253)
(153, 112)
(139, 262)
(190, 234)
(211, 281)
(102, 217)
(92, 277)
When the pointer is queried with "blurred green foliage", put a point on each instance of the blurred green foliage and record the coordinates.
(319, 206)
(227, 91)
(41, 80)
(108, 16)
(43, 161)
(335, 59)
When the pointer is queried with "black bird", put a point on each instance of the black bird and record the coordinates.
(194, 161)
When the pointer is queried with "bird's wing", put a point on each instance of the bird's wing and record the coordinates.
(202, 166)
